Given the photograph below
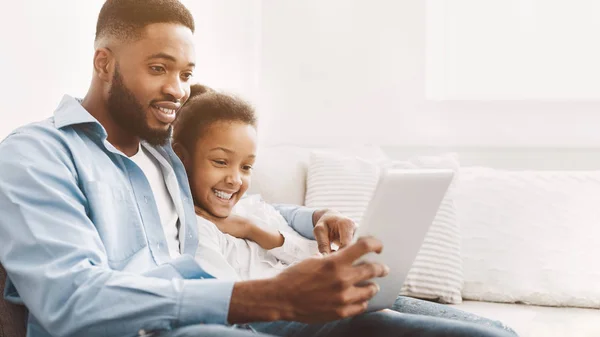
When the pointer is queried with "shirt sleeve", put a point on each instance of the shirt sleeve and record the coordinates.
(212, 251)
(298, 217)
(295, 248)
(57, 264)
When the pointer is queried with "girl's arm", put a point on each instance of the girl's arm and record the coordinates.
(268, 238)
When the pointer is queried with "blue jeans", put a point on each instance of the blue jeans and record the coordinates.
(410, 317)
(409, 305)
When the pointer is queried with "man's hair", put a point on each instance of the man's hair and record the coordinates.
(204, 108)
(125, 18)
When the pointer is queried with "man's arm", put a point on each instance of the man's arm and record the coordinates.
(324, 225)
(57, 263)
(300, 218)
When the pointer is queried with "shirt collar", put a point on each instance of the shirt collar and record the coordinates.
(71, 112)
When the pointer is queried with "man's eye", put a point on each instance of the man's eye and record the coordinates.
(157, 69)
(247, 168)
(219, 162)
(187, 76)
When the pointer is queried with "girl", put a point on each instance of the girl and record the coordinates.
(215, 137)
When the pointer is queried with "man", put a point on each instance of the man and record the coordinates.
(97, 232)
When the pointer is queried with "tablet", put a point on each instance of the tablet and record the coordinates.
(399, 214)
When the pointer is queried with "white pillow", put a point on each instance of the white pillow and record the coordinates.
(346, 183)
(531, 236)
(279, 174)
(340, 182)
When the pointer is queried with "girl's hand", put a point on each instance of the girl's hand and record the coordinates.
(243, 228)
(233, 225)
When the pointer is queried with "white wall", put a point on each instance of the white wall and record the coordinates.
(513, 49)
(47, 50)
(227, 44)
(321, 72)
(342, 71)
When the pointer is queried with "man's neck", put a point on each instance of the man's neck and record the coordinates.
(117, 136)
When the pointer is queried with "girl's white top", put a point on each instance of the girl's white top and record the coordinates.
(227, 257)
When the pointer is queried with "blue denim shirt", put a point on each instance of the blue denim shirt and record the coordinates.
(81, 238)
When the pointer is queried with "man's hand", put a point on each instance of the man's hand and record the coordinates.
(317, 289)
(332, 227)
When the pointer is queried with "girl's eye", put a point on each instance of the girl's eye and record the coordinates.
(219, 162)
(247, 168)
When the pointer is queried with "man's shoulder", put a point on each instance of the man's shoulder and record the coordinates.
(36, 141)
(44, 130)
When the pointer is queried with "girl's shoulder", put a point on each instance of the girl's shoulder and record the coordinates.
(206, 227)
(255, 207)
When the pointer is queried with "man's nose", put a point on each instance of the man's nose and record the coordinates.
(175, 88)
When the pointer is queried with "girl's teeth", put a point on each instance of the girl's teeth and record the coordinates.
(222, 195)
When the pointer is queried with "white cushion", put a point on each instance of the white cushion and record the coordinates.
(531, 236)
(340, 182)
(279, 174)
(346, 183)
(535, 321)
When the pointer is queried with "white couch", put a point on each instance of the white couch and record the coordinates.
(280, 177)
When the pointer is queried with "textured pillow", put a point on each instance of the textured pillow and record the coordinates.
(279, 174)
(437, 272)
(531, 236)
(340, 182)
(346, 183)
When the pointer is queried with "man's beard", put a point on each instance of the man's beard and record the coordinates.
(129, 114)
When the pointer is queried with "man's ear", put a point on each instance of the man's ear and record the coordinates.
(183, 155)
(103, 64)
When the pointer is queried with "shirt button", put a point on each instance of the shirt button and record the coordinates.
(146, 199)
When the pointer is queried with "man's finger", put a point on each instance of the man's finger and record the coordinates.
(362, 293)
(366, 271)
(322, 237)
(352, 310)
(361, 247)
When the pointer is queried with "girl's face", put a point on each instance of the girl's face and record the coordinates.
(221, 166)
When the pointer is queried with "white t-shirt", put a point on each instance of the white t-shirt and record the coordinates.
(227, 257)
(166, 208)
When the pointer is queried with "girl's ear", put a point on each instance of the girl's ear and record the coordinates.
(183, 155)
